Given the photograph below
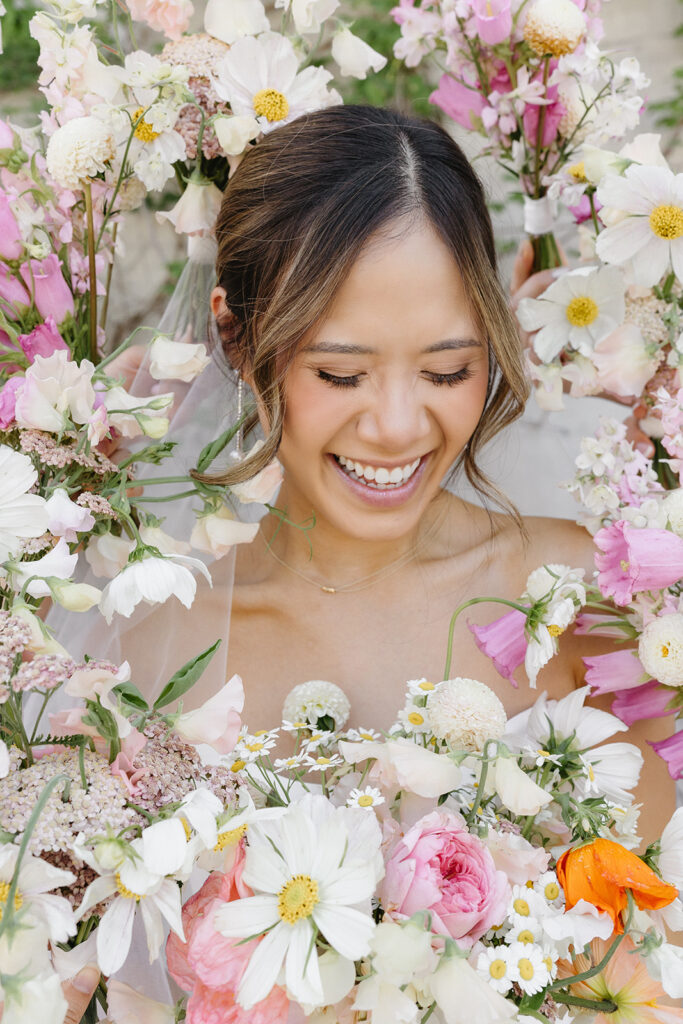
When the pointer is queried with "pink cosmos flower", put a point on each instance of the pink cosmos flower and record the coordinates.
(8, 401)
(630, 560)
(493, 20)
(43, 340)
(618, 670)
(460, 102)
(504, 642)
(650, 700)
(51, 293)
(11, 242)
(671, 750)
(440, 867)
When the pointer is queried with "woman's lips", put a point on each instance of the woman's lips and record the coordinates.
(388, 497)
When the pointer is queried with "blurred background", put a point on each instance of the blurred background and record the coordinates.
(532, 458)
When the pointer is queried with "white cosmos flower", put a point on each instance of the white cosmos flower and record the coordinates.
(153, 579)
(21, 514)
(36, 879)
(259, 77)
(651, 233)
(576, 311)
(232, 826)
(229, 20)
(304, 877)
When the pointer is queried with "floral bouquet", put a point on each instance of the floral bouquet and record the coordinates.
(529, 76)
(461, 867)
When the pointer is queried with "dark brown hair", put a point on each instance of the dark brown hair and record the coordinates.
(296, 215)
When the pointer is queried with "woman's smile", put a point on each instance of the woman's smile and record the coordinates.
(380, 485)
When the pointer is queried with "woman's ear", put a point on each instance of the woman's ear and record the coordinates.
(218, 304)
(226, 323)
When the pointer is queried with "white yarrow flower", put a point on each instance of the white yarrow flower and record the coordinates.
(308, 702)
(465, 714)
(660, 649)
(22, 515)
(152, 579)
(79, 150)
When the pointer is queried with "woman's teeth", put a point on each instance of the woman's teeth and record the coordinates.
(378, 477)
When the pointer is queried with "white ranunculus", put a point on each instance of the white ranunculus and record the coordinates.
(229, 20)
(66, 518)
(153, 579)
(354, 57)
(516, 790)
(75, 597)
(107, 554)
(196, 210)
(54, 388)
(220, 531)
(79, 150)
(176, 360)
(58, 562)
(660, 649)
(217, 721)
(263, 487)
(22, 515)
(234, 133)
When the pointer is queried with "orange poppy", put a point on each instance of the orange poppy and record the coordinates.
(602, 872)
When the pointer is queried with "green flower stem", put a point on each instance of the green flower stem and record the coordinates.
(546, 252)
(92, 249)
(480, 789)
(540, 126)
(169, 497)
(461, 608)
(110, 271)
(599, 1005)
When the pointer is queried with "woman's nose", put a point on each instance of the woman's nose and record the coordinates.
(395, 420)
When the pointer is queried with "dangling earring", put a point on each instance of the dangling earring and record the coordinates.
(237, 454)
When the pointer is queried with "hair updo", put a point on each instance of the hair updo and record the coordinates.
(296, 215)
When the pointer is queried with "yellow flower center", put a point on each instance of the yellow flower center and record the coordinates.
(365, 735)
(297, 898)
(323, 760)
(230, 838)
(624, 565)
(4, 894)
(271, 104)
(497, 969)
(526, 969)
(365, 800)
(254, 747)
(555, 630)
(526, 936)
(144, 130)
(188, 830)
(415, 718)
(543, 753)
(548, 961)
(665, 651)
(667, 221)
(426, 686)
(126, 892)
(529, 884)
(582, 311)
(238, 765)
(261, 732)
(578, 172)
(300, 725)
(552, 891)
(521, 907)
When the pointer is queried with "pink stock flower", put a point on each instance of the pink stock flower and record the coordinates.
(8, 401)
(651, 700)
(504, 642)
(630, 560)
(440, 867)
(11, 242)
(554, 112)
(51, 293)
(460, 102)
(12, 290)
(671, 751)
(43, 340)
(493, 20)
(618, 670)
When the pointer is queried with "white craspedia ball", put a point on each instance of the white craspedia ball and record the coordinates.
(661, 649)
(673, 506)
(316, 699)
(554, 27)
(465, 714)
(79, 150)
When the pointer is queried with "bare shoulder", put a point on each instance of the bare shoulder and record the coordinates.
(559, 540)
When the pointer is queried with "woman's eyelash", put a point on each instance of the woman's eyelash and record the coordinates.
(352, 381)
(450, 378)
(339, 382)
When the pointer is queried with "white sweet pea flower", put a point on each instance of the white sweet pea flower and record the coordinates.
(132, 415)
(671, 856)
(155, 537)
(196, 210)
(36, 880)
(515, 789)
(263, 487)
(58, 562)
(126, 1006)
(402, 764)
(354, 57)
(309, 15)
(176, 360)
(234, 133)
(107, 554)
(229, 20)
(75, 597)
(22, 515)
(96, 684)
(153, 579)
(577, 927)
(39, 998)
(463, 996)
(42, 641)
(217, 722)
(401, 951)
(66, 518)
(387, 1003)
(665, 964)
(55, 389)
(219, 531)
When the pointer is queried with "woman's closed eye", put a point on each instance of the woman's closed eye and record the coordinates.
(353, 380)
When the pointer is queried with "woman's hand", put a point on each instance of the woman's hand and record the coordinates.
(79, 991)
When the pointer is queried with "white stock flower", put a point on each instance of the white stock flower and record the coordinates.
(22, 515)
(660, 649)
(353, 55)
(234, 133)
(651, 233)
(554, 27)
(57, 562)
(219, 531)
(35, 881)
(259, 77)
(577, 311)
(217, 721)
(79, 150)
(229, 20)
(309, 15)
(465, 713)
(263, 487)
(107, 554)
(152, 579)
(66, 518)
(196, 210)
(54, 389)
(176, 360)
(304, 876)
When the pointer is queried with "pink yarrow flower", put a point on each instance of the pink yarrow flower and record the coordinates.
(630, 560)
(440, 867)
(504, 642)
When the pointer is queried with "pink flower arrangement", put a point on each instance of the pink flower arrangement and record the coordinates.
(630, 560)
(504, 642)
(439, 866)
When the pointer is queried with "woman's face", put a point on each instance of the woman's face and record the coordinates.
(385, 392)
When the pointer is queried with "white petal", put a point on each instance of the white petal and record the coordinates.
(622, 241)
(114, 934)
(301, 967)
(264, 967)
(246, 917)
(163, 846)
(167, 899)
(154, 929)
(97, 891)
(345, 928)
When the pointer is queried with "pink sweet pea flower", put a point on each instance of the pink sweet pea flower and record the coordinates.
(11, 242)
(504, 642)
(554, 112)
(624, 362)
(43, 340)
(630, 560)
(651, 700)
(516, 857)
(618, 670)
(459, 102)
(671, 751)
(217, 722)
(493, 19)
(6, 136)
(440, 867)
(12, 290)
(51, 293)
(8, 401)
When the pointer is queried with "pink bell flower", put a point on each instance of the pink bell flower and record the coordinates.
(11, 242)
(630, 560)
(459, 102)
(504, 642)
(51, 293)
(493, 19)
(8, 401)
(12, 290)
(651, 700)
(43, 340)
(618, 670)
(671, 751)
(554, 112)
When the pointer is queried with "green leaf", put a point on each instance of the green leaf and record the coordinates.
(212, 450)
(185, 677)
(130, 695)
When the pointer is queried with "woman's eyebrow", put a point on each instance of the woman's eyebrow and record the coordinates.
(362, 350)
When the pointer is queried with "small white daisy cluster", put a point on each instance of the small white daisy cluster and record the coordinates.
(457, 714)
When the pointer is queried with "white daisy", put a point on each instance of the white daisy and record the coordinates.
(260, 76)
(525, 906)
(362, 734)
(36, 879)
(651, 233)
(414, 719)
(309, 873)
(323, 763)
(292, 763)
(550, 889)
(528, 932)
(22, 515)
(366, 798)
(420, 687)
(576, 311)
(494, 965)
(528, 967)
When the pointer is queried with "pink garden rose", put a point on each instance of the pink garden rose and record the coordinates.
(440, 867)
